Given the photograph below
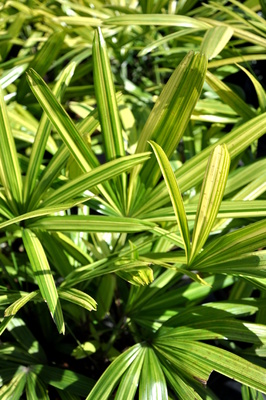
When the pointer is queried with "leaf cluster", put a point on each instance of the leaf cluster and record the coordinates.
(132, 199)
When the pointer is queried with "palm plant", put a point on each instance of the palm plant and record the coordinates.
(127, 222)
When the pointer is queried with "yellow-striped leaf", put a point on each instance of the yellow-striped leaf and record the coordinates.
(18, 304)
(210, 197)
(78, 297)
(106, 383)
(43, 132)
(44, 277)
(157, 19)
(91, 223)
(43, 59)
(10, 174)
(215, 40)
(175, 195)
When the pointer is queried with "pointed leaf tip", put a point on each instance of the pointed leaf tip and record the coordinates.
(174, 193)
(210, 197)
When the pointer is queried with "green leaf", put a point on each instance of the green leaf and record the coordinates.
(86, 126)
(4, 323)
(39, 213)
(215, 40)
(210, 197)
(80, 151)
(64, 379)
(18, 304)
(43, 59)
(225, 363)
(183, 362)
(51, 172)
(164, 39)
(35, 389)
(12, 75)
(133, 272)
(242, 33)
(71, 248)
(175, 195)
(105, 295)
(230, 97)
(214, 328)
(25, 338)
(85, 349)
(170, 236)
(242, 176)
(249, 264)
(192, 172)
(91, 223)
(180, 386)
(10, 174)
(152, 381)
(16, 354)
(157, 19)
(43, 132)
(130, 381)
(4, 209)
(250, 394)
(139, 273)
(96, 176)
(234, 244)
(43, 275)
(78, 297)
(56, 255)
(212, 311)
(228, 209)
(106, 99)
(107, 106)
(259, 89)
(78, 21)
(112, 374)
(62, 122)
(13, 30)
(152, 299)
(14, 389)
(171, 113)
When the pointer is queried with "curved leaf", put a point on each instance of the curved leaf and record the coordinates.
(175, 195)
(112, 374)
(44, 277)
(210, 197)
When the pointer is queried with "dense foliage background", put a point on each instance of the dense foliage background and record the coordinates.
(132, 199)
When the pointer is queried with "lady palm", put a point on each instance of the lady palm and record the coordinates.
(142, 239)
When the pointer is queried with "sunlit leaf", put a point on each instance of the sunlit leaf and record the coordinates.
(152, 380)
(43, 132)
(78, 297)
(91, 223)
(15, 388)
(175, 195)
(112, 374)
(43, 275)
(210, 197)
(234, 244)
(10, 173)
(157, 19)
(43, 59)
(215, 40)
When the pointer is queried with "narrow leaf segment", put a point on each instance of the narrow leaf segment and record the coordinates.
(43, 275)
(210, 197)
(175, 195)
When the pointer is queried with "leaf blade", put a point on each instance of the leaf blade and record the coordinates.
(175, 195)
(10, 172)
(210, 197)
(43, 276)
(42, 134)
